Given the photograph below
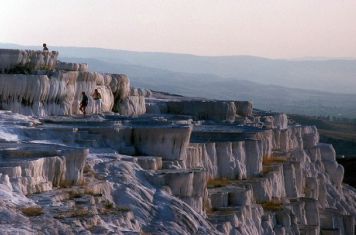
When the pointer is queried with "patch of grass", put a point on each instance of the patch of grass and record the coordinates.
(75, 194)
(74, 213)
(82, 192)
(123, 209)
(274, 205)
(214, 211)
(266, 169)
(92, 193)
(216, 183)
(110, 208)
(20, 69)
(80, 213)
(109, 205)
(65, 183)
(274, 159)
(32, 211)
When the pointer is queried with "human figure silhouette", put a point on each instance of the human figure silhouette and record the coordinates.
(45, 48)
(83, 103)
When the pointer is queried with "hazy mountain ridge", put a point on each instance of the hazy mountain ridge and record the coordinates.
(331, 75)
(268, 97)
(270, 83)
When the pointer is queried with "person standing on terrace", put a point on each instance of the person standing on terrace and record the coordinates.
(83, 103)
(45, 48)
(97, 101)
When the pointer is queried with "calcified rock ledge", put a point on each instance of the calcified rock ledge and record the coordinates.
(36, 83)
(162, 165)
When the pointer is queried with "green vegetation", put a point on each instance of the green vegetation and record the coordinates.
(109, 205)
(75, 194)
(273, 159)
(32, 211)
(274, 205)
(267, 163)
(20, 69)
(216, 183)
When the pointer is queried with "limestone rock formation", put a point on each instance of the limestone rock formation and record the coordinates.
(35, 83)
(71, 66)
(12, 59)
(187, 166)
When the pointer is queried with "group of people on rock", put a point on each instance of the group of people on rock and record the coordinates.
(97, 102)
(84, 102)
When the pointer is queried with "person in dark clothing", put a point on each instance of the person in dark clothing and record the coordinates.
(83, 103)
(45, 48)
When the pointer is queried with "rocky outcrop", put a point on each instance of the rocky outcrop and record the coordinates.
(214, 110)
(244, 108)
(71, 66)
(43, 170)
(58, 94)
(128, 101)
(132, 106)
(12, 60)
(35, 83)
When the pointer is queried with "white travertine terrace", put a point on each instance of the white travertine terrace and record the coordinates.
(54, 88)
(185, 167)
(33, 59)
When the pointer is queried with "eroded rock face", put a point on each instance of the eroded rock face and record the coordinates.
(232, 160)
(173, 180)
(39, 174)
(59, 94)
(10, 59)
(120, 86)
(170, 143)
(71, 66)
(35, 83)
(214, 110)
(132, 106)
(244, 108)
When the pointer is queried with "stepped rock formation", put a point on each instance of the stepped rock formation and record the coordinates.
(51, 87)
(163, 165)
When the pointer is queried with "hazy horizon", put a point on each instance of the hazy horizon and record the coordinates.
(39, 46)
(273, 29)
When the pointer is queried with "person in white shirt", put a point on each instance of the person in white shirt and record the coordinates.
(97, 101)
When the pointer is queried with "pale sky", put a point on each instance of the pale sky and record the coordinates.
(269, 28)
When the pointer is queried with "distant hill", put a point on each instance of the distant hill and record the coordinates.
(267, 97)
(312, 87)
(331, 75)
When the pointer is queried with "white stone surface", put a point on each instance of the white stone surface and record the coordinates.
(132, 106)
(71, 66)
(44, 173)
(214, 110)
(244, 108)
(33, 59)
(164, 186)
(169, 143)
